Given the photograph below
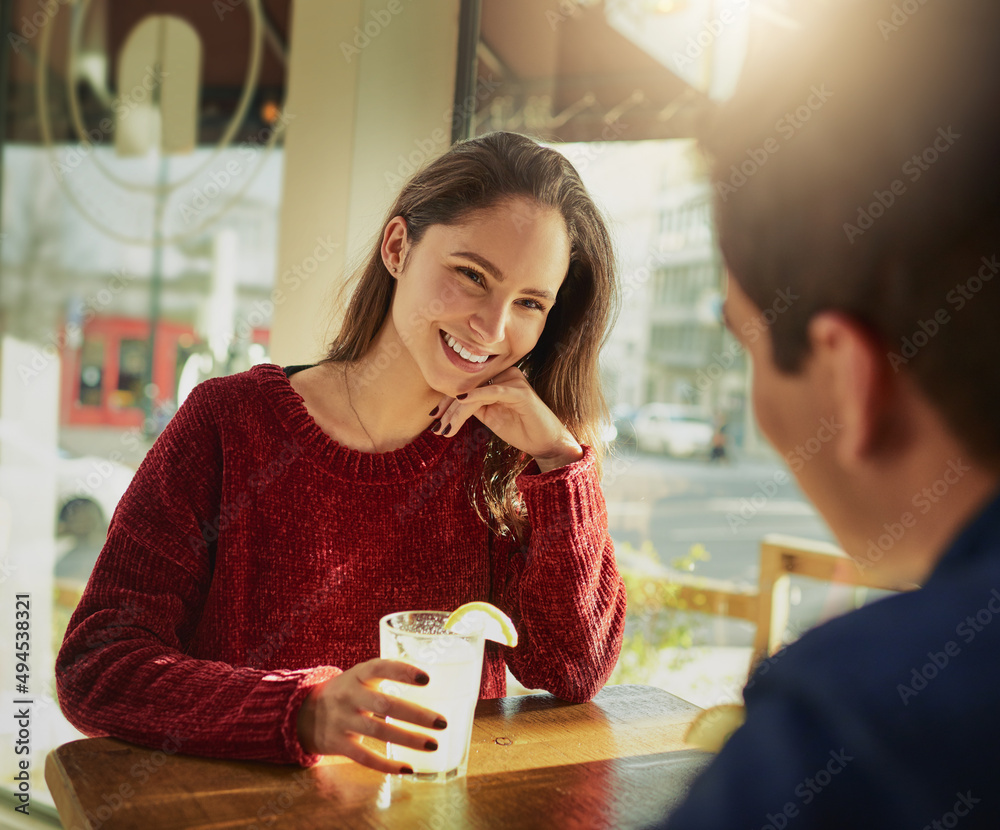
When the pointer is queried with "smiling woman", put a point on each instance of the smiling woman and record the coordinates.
(517, 267)
(444, 452)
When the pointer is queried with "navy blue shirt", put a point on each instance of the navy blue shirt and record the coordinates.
(887, 717)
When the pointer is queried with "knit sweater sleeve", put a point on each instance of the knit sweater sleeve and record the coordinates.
(123, 669)
(562, 588)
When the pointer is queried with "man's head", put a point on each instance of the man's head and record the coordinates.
(857, 167)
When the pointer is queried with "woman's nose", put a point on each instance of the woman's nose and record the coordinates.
(490, 323)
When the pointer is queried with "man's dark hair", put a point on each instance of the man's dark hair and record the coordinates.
(859, 164)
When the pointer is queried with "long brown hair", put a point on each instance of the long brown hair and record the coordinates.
(562, 368)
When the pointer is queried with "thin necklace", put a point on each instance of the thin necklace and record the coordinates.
(350, 403)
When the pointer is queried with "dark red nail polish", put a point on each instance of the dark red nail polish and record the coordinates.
(446, 430)
(462, 397)
(430, 746)
(433, 412)
(406, 770)
(436, 425)
(440, 723)
(421, 679)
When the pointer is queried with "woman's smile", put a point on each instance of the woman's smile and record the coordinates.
(464, 356)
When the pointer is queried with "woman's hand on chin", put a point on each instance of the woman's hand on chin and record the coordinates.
(514, 412)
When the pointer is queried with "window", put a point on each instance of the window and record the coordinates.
(620, 106)
(91, 373)
(115, 236)
(132, 370)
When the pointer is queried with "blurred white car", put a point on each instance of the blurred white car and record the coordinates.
(675, 429)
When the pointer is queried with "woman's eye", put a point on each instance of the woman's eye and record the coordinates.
(533, 304)
(475, 276)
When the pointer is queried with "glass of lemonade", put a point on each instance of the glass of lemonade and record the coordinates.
(454, 662)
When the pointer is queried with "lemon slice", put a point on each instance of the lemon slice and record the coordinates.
(495, 623)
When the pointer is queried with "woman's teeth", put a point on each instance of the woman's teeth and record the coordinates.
(465, 353)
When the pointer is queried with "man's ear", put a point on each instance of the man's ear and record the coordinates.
(395, 245)
(853, 361)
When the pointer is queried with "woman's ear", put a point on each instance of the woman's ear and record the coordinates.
(395, 245)
(854, 363)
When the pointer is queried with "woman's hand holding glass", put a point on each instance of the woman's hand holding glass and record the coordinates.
(342, 710)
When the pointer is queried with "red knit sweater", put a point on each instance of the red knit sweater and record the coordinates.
(252, 558)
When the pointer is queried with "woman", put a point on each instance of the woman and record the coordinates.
(235, 607)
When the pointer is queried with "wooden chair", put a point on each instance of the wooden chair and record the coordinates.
(767, 605)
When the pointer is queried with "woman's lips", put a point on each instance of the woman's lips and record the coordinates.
(460, 362)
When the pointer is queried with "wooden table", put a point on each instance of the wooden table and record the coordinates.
(616, 762)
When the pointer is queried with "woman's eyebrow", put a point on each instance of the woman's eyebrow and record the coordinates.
(498, 275)
(483, 263)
